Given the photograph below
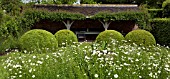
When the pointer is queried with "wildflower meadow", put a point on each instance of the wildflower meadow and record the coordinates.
(86, 60)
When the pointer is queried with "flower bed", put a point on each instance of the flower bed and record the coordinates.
(88, 60)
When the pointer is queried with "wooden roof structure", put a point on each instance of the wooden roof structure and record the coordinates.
(89, 9)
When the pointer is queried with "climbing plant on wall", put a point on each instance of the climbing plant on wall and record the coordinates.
(32, 16)
(141, 18)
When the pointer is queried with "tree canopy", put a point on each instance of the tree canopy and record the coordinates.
(12, 7)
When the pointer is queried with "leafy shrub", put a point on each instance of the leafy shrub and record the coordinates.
(37, 41)
(155, 13)
(10, 31)
(141, 37)
(10, 26)
(166, 8)
(65, 37)
(160, 30)
(8, 44)
(11, 7)
(108, 36)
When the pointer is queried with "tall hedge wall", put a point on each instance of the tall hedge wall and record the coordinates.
(161, 30)
(155, 13)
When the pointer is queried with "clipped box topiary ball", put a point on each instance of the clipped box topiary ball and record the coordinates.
(38, 41)
(140, 37)
(108, 36)
(65, 37)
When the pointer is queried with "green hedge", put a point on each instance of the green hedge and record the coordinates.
(165, 3)
(140, 37)
(161, 30)
(65, 38)
(141, 18)
(108, 36)
(166, 8)
(38, 41)
(155, 13)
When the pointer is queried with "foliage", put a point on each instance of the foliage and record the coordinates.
(65, 1)
(75, 62)
(108, 36)
(1, 15)
(114, 1)
(165, 3)
(150, 3)
(141, 18)
(13, 7)
(88, 2)
(141, 37)
(9, 44)
(10, 31)
(65, 38)
(48, 2)
(32, 16)
(3, 73)
(38, 41)
(155, 13)
(52, 1)
(160, 30)
(166, 8)
(10, 26)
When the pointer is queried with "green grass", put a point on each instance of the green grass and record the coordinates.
(90, 61)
